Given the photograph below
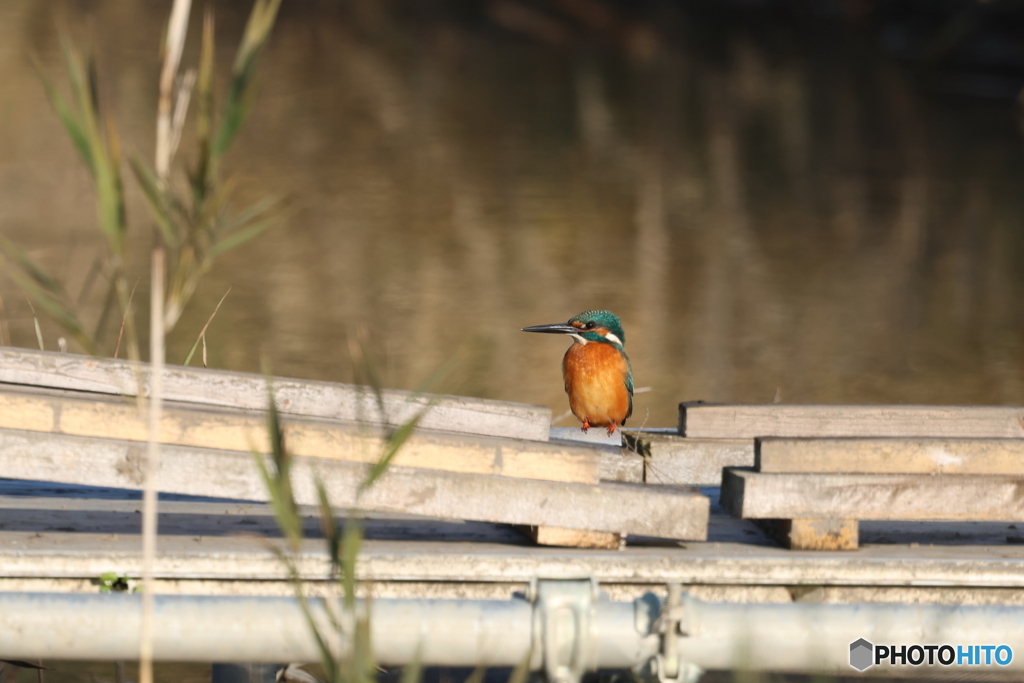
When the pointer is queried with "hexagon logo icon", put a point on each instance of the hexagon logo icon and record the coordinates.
(861, 654)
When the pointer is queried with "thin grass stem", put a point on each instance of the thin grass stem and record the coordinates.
(120, 333)
(5, 331)
(202, 332)
(35, 321)
(149, 498)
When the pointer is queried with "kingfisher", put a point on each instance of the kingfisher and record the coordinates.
(597, 372)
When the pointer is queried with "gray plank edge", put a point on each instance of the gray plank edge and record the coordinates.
(638, 509)
(86, 556)
(873, 455)
(906, 497)
(712, 420)
(672, 459)
(295, 397)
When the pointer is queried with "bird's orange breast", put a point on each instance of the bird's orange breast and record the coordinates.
(595, 379)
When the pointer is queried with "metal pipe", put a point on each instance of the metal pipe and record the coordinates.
(258, 629)
(264, 629)
(816, 637)
(568, 628)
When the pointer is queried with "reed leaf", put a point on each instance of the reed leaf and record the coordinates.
(326, 655)
(240, 237)
(329, 526)
(278, 482)
(26, 263)
(351, 542)
(413, 671)
(55, 308)
(71, 121)
(521, 672)
(204, 116)
(156, 200)
(247, 215)
(392, 446)
(241, 90)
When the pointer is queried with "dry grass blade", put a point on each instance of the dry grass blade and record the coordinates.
(125, 300)
(124, 318)
(202, 332)
(90, 279)
(183, 94)
(177, 28)
(39, 332)
(5, 331)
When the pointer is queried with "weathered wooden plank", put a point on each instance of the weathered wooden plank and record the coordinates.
(736, 421)
(208, 427)
(661, 511)
(814, 534)
(891, 456)
(692, 462)
(294, 397)
(574, 538)
(906, 497)
(621, 465)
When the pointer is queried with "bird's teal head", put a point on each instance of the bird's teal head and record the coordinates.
(602, 327)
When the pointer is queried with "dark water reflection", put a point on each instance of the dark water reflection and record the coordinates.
(773, 212)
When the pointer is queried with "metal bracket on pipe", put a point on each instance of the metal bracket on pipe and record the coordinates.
(562, 616)
(667, 665)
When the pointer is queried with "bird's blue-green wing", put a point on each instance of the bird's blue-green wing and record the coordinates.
(629, 384)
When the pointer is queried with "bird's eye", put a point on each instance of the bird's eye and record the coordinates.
(590, 325)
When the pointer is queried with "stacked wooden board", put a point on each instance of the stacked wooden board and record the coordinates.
(820, 469)
(76, 419)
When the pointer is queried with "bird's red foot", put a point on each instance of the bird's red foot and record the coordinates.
(611, 429)
(585, 427)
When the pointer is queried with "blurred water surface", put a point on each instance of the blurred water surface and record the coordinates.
(776, 210)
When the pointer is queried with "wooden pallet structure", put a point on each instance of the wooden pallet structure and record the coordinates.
(820, 469)
(75, 419)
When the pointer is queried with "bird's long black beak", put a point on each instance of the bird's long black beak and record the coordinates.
(555, 328)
